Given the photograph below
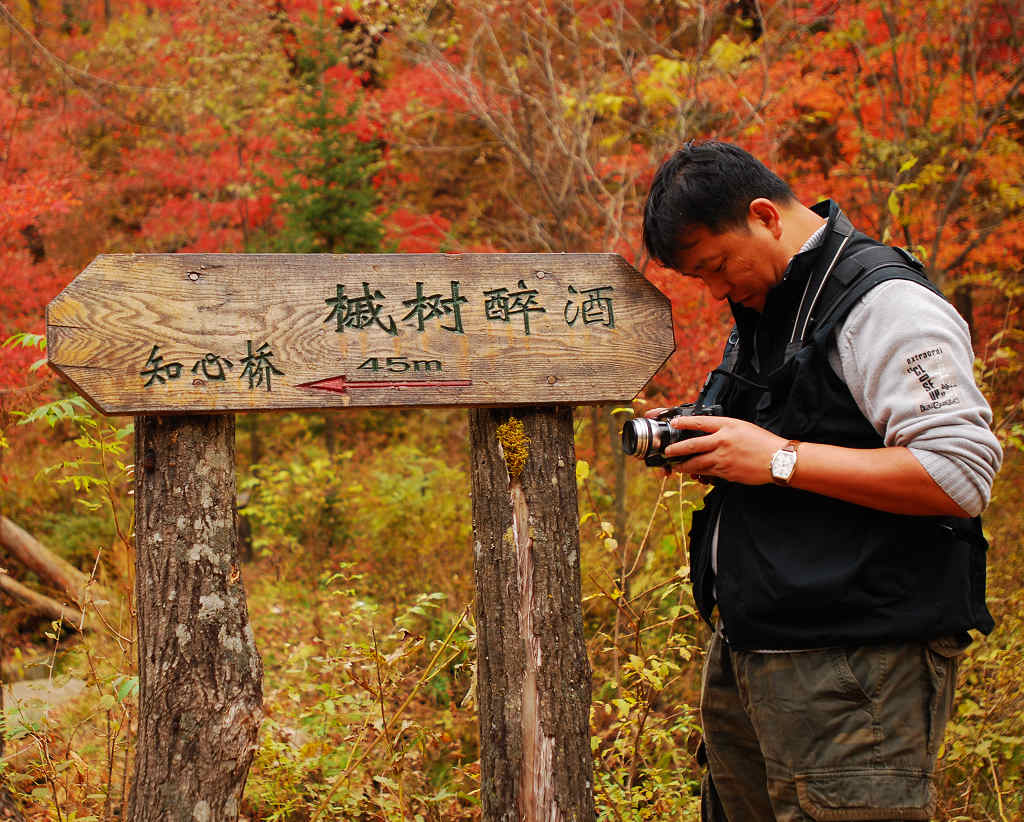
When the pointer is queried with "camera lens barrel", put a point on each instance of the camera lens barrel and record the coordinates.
(642, 436)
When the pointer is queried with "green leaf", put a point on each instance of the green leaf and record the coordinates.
(25, 340)
(129, 686)
(59, 410)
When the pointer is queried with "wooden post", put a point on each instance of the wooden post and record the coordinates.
(533, 676)
(200, 676)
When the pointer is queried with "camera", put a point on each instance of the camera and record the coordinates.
(647, 439)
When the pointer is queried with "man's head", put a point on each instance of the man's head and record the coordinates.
(717, 213)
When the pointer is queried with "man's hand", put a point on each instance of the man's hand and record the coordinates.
(732, 449)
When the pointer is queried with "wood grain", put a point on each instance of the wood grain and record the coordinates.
(196, 308)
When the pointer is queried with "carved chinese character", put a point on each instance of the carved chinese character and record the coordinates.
(596, 308)
(501, 304)
(213, 366)
(160, 372)
(358, 312)
(258, 366)
(427, 307)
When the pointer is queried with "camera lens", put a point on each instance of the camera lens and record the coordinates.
(636, 437)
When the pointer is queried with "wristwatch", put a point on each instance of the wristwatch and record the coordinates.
(783, 463)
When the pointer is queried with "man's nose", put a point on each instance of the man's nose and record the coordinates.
(718, 287)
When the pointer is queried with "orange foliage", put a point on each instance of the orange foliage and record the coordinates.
(907, 113)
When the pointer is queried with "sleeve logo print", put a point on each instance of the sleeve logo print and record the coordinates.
(928, 370)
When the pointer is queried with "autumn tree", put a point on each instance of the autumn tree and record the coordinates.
(328, 200)
(917, 130)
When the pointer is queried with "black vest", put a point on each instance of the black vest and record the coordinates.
(801, 570)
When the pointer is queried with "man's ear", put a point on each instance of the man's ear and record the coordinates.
(764, 214)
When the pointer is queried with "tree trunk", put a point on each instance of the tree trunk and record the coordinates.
(255, 439)
(330, 438)
(963, 301)
(200, 676)
(533, 676)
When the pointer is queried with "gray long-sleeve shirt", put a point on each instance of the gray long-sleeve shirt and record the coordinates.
(905, 354)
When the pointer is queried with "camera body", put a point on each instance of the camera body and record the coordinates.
(647, 439)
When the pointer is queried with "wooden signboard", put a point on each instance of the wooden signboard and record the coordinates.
(202, 333)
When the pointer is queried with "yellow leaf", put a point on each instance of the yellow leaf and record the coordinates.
(894, 205)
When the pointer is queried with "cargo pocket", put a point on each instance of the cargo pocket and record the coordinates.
(866, 794)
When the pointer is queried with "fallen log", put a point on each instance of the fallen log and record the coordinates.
(35, 556)
(46, 606)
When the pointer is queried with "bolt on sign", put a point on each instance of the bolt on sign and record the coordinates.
(201, 333)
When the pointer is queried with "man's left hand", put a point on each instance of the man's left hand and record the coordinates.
(731, 449)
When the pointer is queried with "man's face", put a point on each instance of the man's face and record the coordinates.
(742, 264)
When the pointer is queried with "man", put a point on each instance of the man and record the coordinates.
(839, 555)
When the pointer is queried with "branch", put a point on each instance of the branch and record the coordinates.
(50, 608)
(38, 558)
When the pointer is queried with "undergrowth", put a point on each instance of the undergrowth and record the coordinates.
(360, 594)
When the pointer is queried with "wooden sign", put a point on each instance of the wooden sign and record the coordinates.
(200, 333)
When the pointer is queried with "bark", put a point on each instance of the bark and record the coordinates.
(200, 676)
(533, 676)
(50, 608)
(43, 562)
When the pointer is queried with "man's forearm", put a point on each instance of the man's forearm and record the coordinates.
(888, 479)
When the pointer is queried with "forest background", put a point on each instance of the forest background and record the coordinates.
(255, 125)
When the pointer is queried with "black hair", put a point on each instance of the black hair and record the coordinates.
(710, 184)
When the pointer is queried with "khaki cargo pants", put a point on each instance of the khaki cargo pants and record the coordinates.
(830, 734)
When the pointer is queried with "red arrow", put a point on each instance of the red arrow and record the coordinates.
(341, 384)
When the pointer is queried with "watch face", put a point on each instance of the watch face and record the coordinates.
(783, 463)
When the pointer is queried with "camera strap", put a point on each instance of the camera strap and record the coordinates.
(862, 272)
(846, 281)
(721, 378)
